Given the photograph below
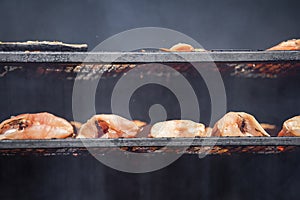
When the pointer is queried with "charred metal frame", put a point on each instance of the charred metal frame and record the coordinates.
(226, 145)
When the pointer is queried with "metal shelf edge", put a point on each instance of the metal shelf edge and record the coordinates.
(149, 142)
(148, 57)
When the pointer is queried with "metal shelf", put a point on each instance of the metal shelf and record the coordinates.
(149, 57)
(226, 145)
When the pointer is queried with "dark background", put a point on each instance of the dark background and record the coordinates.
(216, 24)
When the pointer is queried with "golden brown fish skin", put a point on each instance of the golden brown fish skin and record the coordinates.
(288, 45)
(108, 126)
(238, 124)
(178, 128)
(290, 128)
(180, 47)
(35, 126)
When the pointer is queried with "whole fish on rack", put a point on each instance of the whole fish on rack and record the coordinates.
(178, 128)
(238, 124)
(289, 45)
(108, 126)
(291, 127)
(35, 126)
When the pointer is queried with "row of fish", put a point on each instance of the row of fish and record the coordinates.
(289, 45)
(48, 126)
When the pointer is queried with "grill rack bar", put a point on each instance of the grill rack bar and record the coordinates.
(149, 57)
(151, 142)
(219, 146)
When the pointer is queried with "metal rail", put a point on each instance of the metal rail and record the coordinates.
(218, 146)
(151, 142)
(149, 57)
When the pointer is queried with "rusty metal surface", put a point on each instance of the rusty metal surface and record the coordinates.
(266, 70)
(213, 146)
(69, 71)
